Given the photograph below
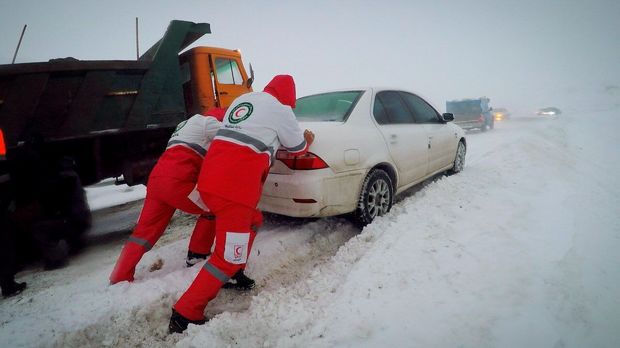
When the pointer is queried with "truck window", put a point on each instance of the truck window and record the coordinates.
(422, 111)
(228, 72)
(393, 107)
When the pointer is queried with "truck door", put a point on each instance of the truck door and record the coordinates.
(229, 81)
(406, 140)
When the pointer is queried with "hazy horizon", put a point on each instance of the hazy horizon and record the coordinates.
(520, 54)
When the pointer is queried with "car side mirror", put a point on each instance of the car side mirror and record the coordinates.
(447, 117)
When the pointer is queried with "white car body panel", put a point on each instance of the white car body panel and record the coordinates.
(351, 149)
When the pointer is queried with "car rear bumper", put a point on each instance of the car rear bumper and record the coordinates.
(311, 193)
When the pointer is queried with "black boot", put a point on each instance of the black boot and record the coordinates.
(194, 258)
(240, 282)
(178, 323)
(12, 288)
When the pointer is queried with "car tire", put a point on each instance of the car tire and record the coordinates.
(484, 127)
(376, 197)
(459, 159)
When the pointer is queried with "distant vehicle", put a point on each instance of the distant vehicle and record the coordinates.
(371, 145)
(548, 111)
(471, 113)
(500, 114)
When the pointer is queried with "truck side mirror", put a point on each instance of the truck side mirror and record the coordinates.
(447, 117)
(251, 79)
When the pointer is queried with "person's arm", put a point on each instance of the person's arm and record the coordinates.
(292, 138)
(212, 125)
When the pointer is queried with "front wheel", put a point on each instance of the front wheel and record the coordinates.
(459, 159)
(375, 198)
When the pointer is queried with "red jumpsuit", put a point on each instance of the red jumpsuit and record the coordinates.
(231, 181)
(170, 182)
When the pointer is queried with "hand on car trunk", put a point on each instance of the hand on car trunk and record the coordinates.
(309, 136)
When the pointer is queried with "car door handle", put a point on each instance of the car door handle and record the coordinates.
(223, 93)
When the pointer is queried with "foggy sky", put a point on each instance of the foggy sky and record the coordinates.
(522, 54)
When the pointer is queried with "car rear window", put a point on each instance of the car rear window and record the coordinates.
(333, 106)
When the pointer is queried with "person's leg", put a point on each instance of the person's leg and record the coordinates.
(232, 247)
(202, 239)
(152, 223)
(7, 259)
(240, 281)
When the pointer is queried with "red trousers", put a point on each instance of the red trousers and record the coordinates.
(164, 196)
(235, 230)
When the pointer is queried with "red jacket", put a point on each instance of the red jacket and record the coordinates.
(255, 126)
(186, 149)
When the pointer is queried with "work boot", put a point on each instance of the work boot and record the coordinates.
(178, 323)
(194, 258)
(240, 282)
(12, 289)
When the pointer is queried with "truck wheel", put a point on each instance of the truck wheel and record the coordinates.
(375, 198)
(459, 159)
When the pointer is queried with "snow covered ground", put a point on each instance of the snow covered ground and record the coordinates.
(519, 250)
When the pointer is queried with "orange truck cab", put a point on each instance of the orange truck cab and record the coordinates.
(213, 77)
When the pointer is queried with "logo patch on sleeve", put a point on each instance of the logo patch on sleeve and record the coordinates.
(240, 112)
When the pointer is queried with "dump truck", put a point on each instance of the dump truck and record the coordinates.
(472, 113)
(113, 118)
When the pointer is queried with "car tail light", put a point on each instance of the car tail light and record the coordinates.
(481, 118)
(307, 161)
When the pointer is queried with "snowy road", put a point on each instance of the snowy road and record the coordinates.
(521, 249)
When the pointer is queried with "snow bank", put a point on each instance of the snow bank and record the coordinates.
(518, 250)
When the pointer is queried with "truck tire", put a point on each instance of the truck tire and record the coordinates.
(376, 197)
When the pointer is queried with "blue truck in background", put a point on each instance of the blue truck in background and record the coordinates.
(472, 113)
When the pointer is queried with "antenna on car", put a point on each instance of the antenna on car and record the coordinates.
(19, 43)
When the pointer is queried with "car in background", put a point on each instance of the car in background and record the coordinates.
(548, 111)
(500, 114)
(472, 113)
(371, 144)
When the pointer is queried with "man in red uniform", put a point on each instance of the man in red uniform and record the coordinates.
(172, 179)
(230, 183)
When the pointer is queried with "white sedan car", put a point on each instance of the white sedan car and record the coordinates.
(370, 145)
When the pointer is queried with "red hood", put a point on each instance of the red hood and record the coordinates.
(216, 112)
(282, 87)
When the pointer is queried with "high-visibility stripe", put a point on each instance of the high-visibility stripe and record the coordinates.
(145, 243)
(296, 148)
(242, 139)
(4, 178)
(199, 149)
(219, 275)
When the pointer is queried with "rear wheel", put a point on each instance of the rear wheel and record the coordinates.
(375, 198)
